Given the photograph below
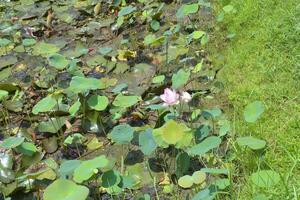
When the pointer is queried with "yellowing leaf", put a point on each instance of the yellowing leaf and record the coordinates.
(172, 132)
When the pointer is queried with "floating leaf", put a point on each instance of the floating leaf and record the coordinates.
(28, 42)
(87, 168)
(204, 195)
(225, 127)
(53, 125)
(155, 25)
(44, 105)
(222, 183)
(215, 171)
(158, 79)
(119, 88)
(110, 178)
(67, 168)
(58, 61)
(197, 34)
(147, 142)
(27, 148)
(73, 139)
(97, 102)
(94, 144)
(44, 49)
(191, 8)
(199, 177)
(81, 84)
(4, 42)
(122, 134)
(185, 181)
(149, 39)
(205, 146)
(251, 142)
(105, 50)
(265, 178)
(3, 94)
(253, 111)
(12, 142)
(63, 189)
(187, 9)
(74, 108)
(214, 112)
(96, 61)
(198, 67)
(172, 132)
(126, 101)
(126, 11)
(180, 78)
(6, 61)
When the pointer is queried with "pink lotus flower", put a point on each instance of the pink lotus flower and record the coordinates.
(170, 97)
(186, 97)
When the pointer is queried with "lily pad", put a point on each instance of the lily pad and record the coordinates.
(97, 102)
(185, 181)
(12, 142)
(3, 94)
(158, 79)
(58, 61)
(4, 42)
(63, 189)
(110, 178)
(122, 134)
(199, 177)
(53, 125)
(147, 142)
(172, 132)
(126, 101)
(180, 78)
(28, 42)
(126, 11)
(44, 105)
(205, 146)
(67, 168)
(88, 168)
(44, 49)
(81, 84)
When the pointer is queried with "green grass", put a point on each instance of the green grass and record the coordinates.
(262, 62)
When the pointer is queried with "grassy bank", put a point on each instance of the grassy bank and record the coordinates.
(261, 62)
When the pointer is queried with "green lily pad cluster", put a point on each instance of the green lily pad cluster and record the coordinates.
(81, 110)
